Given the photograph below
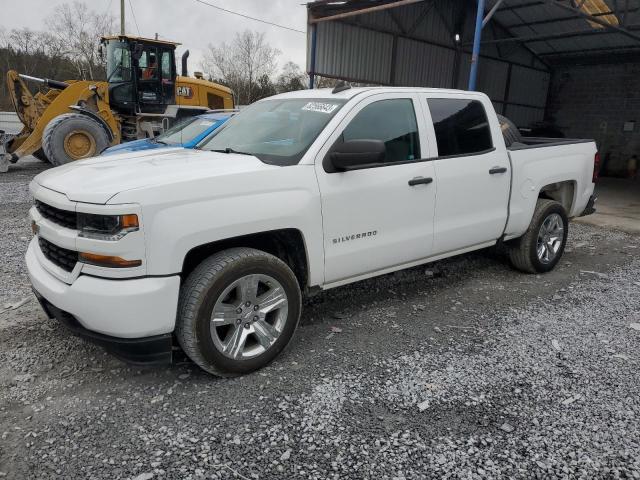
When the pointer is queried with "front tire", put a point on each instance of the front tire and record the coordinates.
(73, 136)
(237, 311)
(541, 247)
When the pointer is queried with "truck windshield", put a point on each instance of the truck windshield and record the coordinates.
(118, 62)
(276, 131)
(186, 130)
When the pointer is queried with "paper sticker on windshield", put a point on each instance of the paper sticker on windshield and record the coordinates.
(320, 107)
(206, 123)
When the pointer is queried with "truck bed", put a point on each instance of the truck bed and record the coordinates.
(541, 162)
(538, 142)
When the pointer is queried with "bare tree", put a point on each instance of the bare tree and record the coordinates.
(244, 65)
(77, 29)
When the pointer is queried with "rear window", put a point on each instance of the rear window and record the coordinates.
(461, 126)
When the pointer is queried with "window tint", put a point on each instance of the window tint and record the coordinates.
(393, 122)
(461, 126)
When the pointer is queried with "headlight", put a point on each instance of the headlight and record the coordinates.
(106, 227)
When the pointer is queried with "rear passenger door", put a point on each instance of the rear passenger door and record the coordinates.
(377, 217)
(473, 174)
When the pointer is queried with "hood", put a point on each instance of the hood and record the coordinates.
(98, 179)
(135, 146)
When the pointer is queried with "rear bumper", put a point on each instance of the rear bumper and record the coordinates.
(591, 206)
(155, 350)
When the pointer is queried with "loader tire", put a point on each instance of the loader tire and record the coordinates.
(39, 154)
(73, 136)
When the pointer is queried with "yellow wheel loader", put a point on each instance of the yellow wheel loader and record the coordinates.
(141, 97)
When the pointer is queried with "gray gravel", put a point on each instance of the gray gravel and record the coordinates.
(463, 369)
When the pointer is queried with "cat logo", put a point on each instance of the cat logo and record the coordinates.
(184, 91)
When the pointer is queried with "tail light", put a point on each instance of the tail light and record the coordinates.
(596, 167)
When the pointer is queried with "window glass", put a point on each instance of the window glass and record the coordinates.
(118, 62)
(276, 131)
(393, 122)
(187, 130)
(166, 65)
(148, 64)
(461, 126)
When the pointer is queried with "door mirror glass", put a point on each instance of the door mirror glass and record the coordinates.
(354, 154)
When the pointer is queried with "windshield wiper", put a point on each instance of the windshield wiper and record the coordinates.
(231, 150)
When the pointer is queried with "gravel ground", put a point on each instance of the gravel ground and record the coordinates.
(463, 369)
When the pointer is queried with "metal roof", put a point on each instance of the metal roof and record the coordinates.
(554, 30)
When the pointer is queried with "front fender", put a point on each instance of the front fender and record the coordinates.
(180, 217)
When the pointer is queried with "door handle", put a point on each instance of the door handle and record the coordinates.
(495, 170)
(420, 181)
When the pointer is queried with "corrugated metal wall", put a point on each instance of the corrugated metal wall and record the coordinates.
(414, 45)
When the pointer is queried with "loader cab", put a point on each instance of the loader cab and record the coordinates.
(141, 74)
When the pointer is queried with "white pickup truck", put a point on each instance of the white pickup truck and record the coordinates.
(212, 249)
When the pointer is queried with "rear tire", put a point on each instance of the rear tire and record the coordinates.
(228, 327)
(542, 245)
(73, 136)
(39, 154)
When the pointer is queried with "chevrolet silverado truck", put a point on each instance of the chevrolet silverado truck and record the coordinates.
(210, 250)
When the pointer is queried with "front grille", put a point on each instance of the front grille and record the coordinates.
(65, 259)
(65, 218)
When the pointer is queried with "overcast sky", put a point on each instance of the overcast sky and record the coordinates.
(186, 21)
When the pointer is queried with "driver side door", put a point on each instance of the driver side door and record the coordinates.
(150, 94)
(379, 217)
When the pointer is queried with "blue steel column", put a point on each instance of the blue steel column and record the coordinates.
(475, 56)
(312, 62)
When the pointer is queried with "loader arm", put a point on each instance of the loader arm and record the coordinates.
(36, 111)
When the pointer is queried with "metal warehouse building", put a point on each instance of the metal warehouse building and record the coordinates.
(561, 67)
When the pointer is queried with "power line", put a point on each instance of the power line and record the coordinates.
(134, 17)
(249, 17)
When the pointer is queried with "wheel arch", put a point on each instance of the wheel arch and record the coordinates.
(97, 118)
(286, 244)
(563, 192)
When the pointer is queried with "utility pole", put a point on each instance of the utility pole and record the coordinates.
(122, 17)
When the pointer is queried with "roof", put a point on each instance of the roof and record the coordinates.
(553, 30)
(140, 39)
(327, 93)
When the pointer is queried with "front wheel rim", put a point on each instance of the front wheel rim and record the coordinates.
(249, 316)
(550, 238)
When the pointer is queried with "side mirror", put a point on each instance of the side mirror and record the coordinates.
(354, 154)
(101, 53)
